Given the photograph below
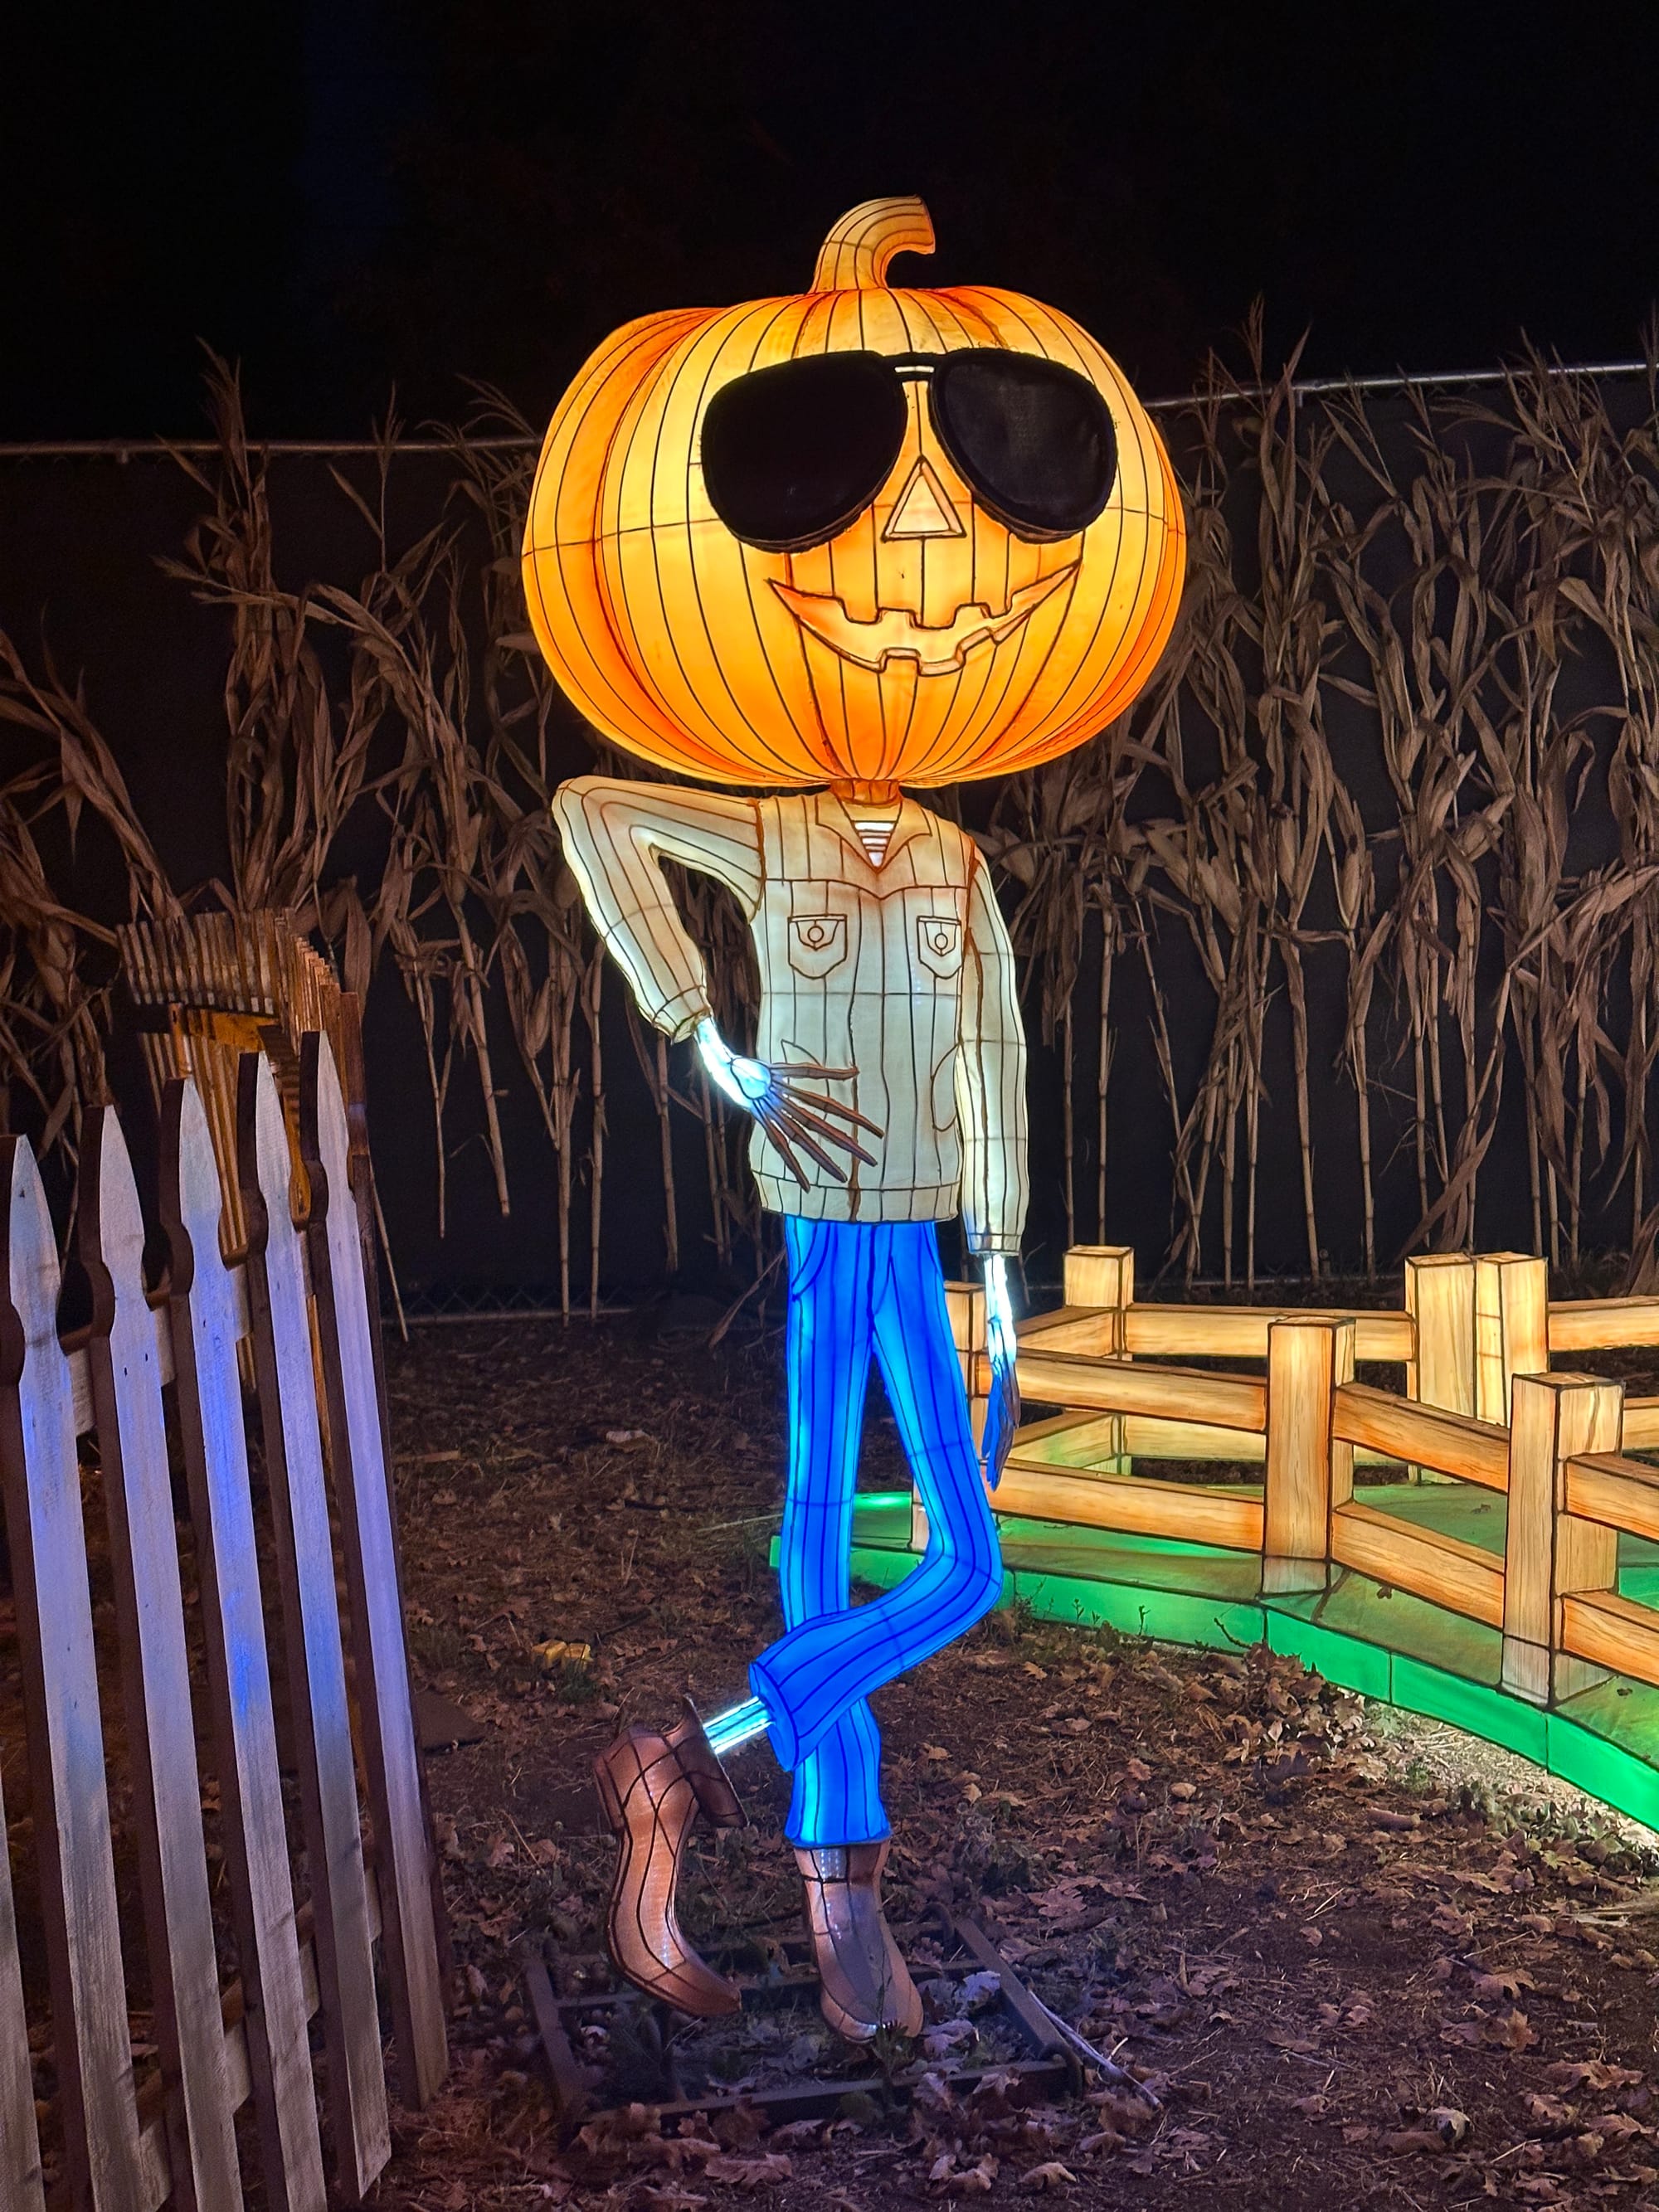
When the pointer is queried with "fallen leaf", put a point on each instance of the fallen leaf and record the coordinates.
(1049, 2175)
(1442, 2129)
(1513, 2031)
(1103, 2139)
(761, 2173)
(1509, 1985)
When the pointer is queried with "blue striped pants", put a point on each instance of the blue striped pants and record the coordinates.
(857, 1287)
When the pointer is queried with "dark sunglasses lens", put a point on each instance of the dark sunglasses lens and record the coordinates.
(792, 454)
(1032, 437)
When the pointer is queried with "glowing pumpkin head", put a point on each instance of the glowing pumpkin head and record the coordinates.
(868, 535)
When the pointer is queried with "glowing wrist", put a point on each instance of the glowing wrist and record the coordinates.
(999, 1313)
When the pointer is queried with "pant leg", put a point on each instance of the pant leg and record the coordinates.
(832, 1265)
(818, 1671)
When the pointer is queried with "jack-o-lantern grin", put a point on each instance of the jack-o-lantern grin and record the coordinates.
(937, 649)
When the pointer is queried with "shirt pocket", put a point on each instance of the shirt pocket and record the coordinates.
(938, 945)
(818, 942)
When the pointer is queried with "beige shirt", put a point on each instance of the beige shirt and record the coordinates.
(903, 972)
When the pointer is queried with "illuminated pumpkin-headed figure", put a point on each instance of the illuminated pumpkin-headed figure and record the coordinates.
(831, 545)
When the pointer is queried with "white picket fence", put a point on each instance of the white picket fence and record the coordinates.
(130, 2141)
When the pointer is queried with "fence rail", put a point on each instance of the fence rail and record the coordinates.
(298, 1303)
(1481, 1406)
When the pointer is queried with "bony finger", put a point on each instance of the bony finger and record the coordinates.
(817, 1099)
(770, 1123)
(801, 1117)
(802, 1136)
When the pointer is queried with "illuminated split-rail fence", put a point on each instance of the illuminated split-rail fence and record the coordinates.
(1482, 1409)
(110, 1709)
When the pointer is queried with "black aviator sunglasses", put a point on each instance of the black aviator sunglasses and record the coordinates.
(792, 454)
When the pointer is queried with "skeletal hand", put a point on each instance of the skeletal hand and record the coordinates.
(1002, 1413)
(790, 1115)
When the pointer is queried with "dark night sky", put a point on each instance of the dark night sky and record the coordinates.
(353, 194)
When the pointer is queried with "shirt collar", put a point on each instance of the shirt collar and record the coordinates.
(833, 813)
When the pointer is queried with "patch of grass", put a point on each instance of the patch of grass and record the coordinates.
(434, 1647)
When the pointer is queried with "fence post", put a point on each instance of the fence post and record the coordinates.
(1307, 1472)
(1102, 1275)
(1440, 1299)
(1548, 1552)
(1511, 1327)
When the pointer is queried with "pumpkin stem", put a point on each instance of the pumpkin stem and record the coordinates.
(856, 253)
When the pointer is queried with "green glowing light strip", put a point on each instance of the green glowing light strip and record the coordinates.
(1580, 1742)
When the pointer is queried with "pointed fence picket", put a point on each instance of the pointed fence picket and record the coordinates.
(358, 1441)
(239, 1676)
(68, 1795)
(316, 1659)
(129, 2146)
(155, 1681)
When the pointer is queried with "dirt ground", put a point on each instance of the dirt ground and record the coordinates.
(1358, 1959)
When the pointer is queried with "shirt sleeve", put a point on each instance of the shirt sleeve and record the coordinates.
(616, 836)
(991, 1106)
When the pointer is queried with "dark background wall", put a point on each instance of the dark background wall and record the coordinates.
(350, 195)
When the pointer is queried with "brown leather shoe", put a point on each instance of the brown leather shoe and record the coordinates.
(652, 1787)
(866, 1985)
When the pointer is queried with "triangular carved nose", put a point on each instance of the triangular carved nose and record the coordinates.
(923, 508)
